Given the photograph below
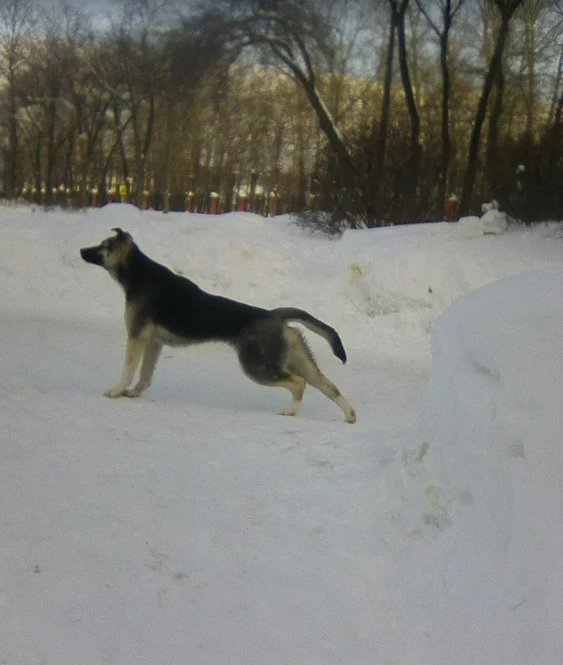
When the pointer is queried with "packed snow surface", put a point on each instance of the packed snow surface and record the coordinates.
(196, 526)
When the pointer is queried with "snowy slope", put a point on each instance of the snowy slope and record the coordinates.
(196, 526)
(495, 425)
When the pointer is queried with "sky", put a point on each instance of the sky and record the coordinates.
(100, 10)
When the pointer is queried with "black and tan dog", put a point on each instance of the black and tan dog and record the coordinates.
(165, 308)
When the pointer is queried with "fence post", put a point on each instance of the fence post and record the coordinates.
(273, 203)
(214, 203)
(241, 200)
(451, 208)
(190, 201)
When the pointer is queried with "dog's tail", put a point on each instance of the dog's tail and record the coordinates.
(316, 326)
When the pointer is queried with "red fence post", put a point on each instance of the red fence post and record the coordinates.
(273, 204)
(214, 203)
(451, 208)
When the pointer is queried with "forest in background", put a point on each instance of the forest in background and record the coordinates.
(373, 111)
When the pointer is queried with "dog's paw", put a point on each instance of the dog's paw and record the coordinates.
(288, 412)
(351, 417)
(134, 392)
(114, 392)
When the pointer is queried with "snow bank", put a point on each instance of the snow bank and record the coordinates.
(401, 277)
(495, 424)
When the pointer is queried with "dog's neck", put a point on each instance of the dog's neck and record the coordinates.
(126, 272)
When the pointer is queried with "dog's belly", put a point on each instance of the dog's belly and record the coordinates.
(164, 336)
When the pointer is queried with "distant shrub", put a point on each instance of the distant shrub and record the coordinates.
(332, 224)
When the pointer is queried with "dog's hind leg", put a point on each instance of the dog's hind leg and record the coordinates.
(150, 358)
(296, 385)
(300, 363)
(133, 352)
(263, 350)
(318, 380)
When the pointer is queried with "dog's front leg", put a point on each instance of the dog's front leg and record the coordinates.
(133, 353)
(150, 358)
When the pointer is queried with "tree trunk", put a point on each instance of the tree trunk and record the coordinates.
(556, 85)
(11, 183)
(530, 94)
(141, 185)
(446, 144)
(381, 150)
(491, 171)
(507, 9)
(52, 115)
(411, 179)
(170, 125)
(472, 161)
(37, 168)
(104, 174)
(326, 123)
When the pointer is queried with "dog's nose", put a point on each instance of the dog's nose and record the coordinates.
(89, 254)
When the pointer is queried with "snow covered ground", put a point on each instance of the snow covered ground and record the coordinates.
(196, 526)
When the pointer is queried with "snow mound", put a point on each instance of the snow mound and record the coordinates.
(493, 222)
(494, 422)
(119, 214)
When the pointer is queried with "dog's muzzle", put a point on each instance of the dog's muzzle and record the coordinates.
(92, 255)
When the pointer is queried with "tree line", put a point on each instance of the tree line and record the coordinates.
(362, 112)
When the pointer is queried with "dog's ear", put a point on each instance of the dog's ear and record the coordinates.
(122, 235)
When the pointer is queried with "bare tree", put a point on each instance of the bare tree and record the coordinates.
(92, 104)
(43, 98)
(506, 8)
(188, 55)
(447, 10)
(381, 149)
(294, 33)
(132, 76)
(17, 20)
(398, 13)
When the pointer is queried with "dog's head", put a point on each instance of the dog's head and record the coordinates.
(111, 252)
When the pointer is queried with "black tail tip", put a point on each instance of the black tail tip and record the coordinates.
(338, 350)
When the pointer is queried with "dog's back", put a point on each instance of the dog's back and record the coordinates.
(180, 306)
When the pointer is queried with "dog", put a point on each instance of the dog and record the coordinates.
(163, 308)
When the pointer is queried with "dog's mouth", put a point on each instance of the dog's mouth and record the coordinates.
(92, 255)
